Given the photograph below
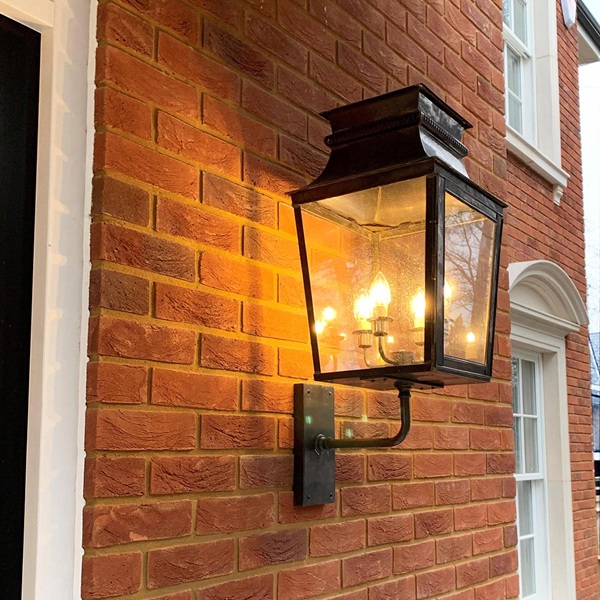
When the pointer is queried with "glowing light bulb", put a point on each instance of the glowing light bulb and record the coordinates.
(390, 339)
(418, 308)
(320, 327)
(380, 295)
(447, 294)
(471, 349)
(363, 311)
(329, 313)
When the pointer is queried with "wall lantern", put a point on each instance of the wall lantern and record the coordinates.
(400, 255)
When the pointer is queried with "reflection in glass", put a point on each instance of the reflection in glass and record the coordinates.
(520, 20)
(527, 571)
(528, 385)
(518, 445)
(525, 508)
(469, 243)
(515, 385)
(531, 444)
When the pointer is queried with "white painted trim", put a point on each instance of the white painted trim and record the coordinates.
(588, 51)
(544, 333)
(55, 453)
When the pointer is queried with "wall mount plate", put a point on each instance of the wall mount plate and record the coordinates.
(314, 472)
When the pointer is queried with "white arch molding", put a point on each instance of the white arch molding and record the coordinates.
(545, 307)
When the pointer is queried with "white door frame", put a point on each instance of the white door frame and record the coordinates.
(55, 453)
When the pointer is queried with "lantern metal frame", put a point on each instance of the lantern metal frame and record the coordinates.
(403, 135)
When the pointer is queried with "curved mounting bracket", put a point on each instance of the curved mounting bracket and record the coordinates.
(315, 441)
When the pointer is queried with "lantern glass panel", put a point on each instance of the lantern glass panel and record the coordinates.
(365, 253)
(468, 264)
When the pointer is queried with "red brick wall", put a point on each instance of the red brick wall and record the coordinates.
(206, 115)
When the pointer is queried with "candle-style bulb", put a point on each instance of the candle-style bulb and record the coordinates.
(329, 313)
(418, 308)
(447, 294)
(380, 295)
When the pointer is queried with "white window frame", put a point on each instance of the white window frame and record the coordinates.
(545, 306)
(541, 522)
(55, 453)
(541, 151)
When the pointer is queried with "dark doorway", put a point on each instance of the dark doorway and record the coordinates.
(19, 99)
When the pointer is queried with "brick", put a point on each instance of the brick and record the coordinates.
(384, 56)
(288, 513)
(420, 437)
(142, 251)
(285, 432)
(266, 321)
(349, 468)
(364, 429)
(490, 591)
(198, 225)
(309, 581)
(266, 471)
(307, 29)
(117, 25)
(237, 126)
(361, 68)
(390, 530)
(177, 16)
(263, 246)
(501, 512)
(301, 157)
(369, 499)
(230, 514)
(412, 495)
(111, 429)
(382, 405)
(486, 489)
(112, 525)
(122, 112)
(239, 431)
(238, 54)
(235, 276)
(367, 15)
(501, 463)
(236, 355)
(188, 474)
(140, 79)
(467, 412)
(451, 438)
(111, 575)
(452, 492)
(472, 572)
(119, 291)
(238, 200)
(277, 42)
(226, 12)
(333, 79)
(486, 541)
(120, 200)
(405, 47)
(197, 67)
(290, 291)
(180, 564)
(336, 20)
(295, 363)
(389, 466)
(243, 589)
(349, 402)
(432, 465)
(293, 86)
(114, 477)
(267, 396)
(116, 384)
(435, 582)
(414, 557)
(127, 339)
(433, 522)
(469, 464)
(452, 548)
(337, 538)
(198, 146)
(430, 409)
(470, 517)
(270, 176)
(369, 566)
(399, 588)
(185, 305)
(194, 390)
(272, 548)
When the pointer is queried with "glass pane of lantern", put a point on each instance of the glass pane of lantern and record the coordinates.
(366, 255)
(468, 263)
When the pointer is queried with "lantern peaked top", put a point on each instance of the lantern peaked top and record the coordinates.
(375, 136)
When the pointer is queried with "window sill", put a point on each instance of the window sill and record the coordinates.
(539, 163)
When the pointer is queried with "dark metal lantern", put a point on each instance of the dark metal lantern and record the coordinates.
(399, 248)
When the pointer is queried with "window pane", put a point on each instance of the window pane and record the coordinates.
(527, 561)
(528, 386)
(515, 385)
(524, 505)
(518, 447)
(506, 12)
(520, 20)
(514, 114)
(531, 445)
(514, 72)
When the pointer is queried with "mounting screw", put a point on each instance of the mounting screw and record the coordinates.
(331, 495)
(308, 497)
